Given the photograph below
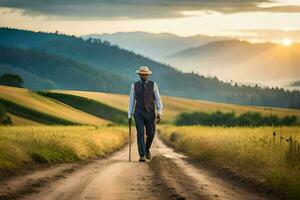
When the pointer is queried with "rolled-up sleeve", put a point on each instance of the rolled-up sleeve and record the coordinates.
(158, 101)
(131, 101)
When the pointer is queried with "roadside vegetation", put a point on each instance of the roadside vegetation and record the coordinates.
(22, 146)
(268, 154)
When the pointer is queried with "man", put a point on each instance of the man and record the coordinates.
(143, 94)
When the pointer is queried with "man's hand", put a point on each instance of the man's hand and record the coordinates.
(130, 121)
(158, 118)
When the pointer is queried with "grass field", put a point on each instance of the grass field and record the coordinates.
(265, 153)
(28, 145)
(175, 105)
(48, 106)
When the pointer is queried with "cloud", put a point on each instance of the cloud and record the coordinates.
(96, 9)
(272, 34)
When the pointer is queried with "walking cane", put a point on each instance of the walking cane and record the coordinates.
(129, 140)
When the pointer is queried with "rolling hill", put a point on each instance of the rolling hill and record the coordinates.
(41, 70)
(31, 100)
(21, 121)
(81, 106)
(175, 105)
(73, 63)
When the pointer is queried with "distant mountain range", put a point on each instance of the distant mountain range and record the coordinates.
(58, 61)
(242, 61)
(152, 45)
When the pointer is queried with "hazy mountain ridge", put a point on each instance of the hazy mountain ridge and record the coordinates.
(152, 45)
(221, 47)
(242, 61)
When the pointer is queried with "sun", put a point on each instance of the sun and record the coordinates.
(286, 42)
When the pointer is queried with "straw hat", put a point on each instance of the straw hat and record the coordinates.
(143, 70)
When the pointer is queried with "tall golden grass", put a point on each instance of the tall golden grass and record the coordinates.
(266, 153)
(25, 145)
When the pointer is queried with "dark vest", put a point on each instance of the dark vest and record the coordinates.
(144, 99)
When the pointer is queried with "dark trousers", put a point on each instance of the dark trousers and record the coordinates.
(144, 120)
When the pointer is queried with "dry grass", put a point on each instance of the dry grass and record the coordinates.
(119, 101)
(20, 121)
(175, 105)
(252, 151)
(21, 146)
(31, 100)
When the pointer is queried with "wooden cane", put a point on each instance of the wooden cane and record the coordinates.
(129, 141)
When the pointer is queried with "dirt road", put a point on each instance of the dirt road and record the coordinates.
(166, 176)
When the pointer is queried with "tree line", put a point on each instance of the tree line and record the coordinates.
(229, 119)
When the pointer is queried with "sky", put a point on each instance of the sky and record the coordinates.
(254, 20)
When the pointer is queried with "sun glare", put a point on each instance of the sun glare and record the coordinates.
(286, 42)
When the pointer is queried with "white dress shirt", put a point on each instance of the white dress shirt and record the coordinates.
(158, 101)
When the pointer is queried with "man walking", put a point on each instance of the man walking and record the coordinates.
(143, 94)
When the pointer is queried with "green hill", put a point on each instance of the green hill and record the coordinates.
(45, 71)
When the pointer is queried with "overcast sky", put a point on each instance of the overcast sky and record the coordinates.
(251, 19)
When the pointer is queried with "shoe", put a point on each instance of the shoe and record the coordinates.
(148, 155)
(142, 159)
